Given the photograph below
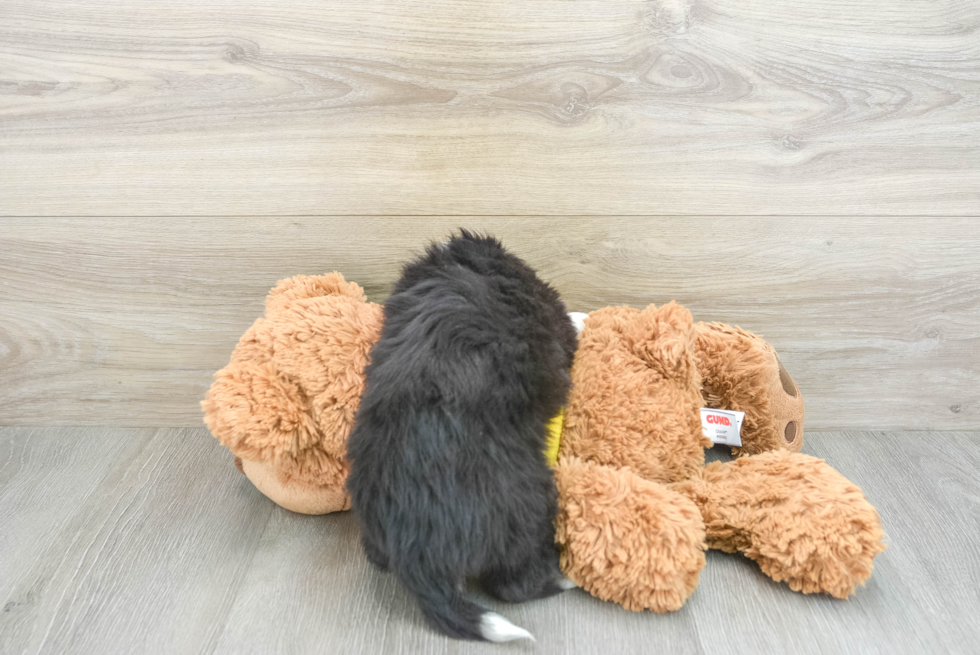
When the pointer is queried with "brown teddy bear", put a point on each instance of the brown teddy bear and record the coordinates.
(285, 403)
(637, 505)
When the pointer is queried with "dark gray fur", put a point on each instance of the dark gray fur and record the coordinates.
(448, 476)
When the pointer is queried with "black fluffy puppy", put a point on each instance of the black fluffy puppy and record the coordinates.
(448, 475)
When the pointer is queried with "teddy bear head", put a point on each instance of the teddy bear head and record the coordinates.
(286, 402)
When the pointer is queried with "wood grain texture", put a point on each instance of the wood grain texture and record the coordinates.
(122, 321)
(109, 107)
(925, 488)
(127, 541)
(150, 541)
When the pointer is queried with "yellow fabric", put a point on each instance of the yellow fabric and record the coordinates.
(553, 440)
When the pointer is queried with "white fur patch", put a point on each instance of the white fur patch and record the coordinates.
(496, 628)
(567, 584)
(578, 319)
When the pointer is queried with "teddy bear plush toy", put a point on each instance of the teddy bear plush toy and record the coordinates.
(637, 505)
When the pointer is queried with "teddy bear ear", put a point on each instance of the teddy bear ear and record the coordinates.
(311, 286)
(664, 338)
(323, 345)
(256, 413)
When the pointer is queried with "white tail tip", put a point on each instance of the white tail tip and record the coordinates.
(566, 584)
(496, 628)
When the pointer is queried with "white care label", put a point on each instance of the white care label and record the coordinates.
(722, 426)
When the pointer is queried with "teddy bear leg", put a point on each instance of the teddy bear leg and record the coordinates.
(740, 371)
(626, 539)
(799, 519)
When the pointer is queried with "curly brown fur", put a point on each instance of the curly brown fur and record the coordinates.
(635, 398)
(740, 371)
(801, 520)
(285, 403)
(633, 423)
(626, 539)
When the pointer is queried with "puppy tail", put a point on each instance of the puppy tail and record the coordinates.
(446, 610)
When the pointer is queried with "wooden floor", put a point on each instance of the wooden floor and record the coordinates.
(150, 541)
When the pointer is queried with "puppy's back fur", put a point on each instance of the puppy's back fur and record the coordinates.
(448, 474)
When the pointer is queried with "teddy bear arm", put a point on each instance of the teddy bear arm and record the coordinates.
(636, 394)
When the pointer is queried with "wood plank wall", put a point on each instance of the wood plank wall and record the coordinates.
(806, 169)
(122, 321)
